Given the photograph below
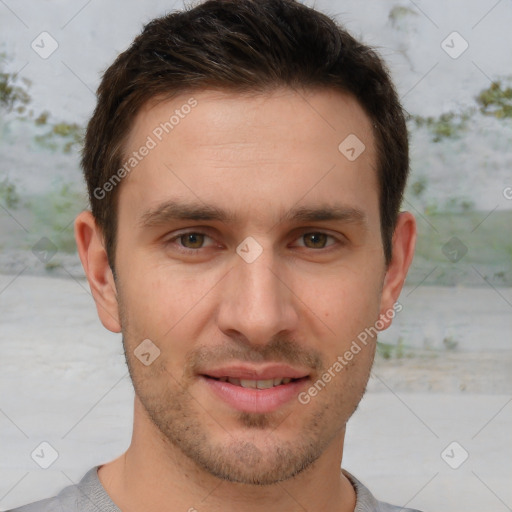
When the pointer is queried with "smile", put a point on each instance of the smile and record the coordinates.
(257, 384)
(255, 389)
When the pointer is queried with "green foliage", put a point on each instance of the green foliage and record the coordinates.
(61, 136)
(55, 212)
(496, 101)
(431, 208)
(419, 186)
(8, 194)
(448, 125)
(64, 199)
(400, 12)
(389, 351)
(486, 242)
(42, 118)
(399, 351)
(450, 343)
(13, 96)
(384, 349)
(459, 204)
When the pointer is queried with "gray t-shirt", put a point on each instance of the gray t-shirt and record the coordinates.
(90, 496)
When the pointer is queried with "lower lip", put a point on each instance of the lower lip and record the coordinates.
(255, 400)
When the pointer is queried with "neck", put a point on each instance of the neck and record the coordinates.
(154, 475)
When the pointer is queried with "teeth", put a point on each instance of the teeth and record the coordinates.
(245, 383)
(256, 384)
(265, 384)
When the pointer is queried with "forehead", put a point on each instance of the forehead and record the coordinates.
(309, 114)
(260, 146)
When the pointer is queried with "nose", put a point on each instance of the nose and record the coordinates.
(257, 301)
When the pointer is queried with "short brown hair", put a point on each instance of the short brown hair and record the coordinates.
(242, 45)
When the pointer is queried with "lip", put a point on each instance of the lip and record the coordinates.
(254, 400)
(269, 371)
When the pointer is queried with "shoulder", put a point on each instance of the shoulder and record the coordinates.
(86, 496)
(48, 505)
(65, 501)
(366, 502)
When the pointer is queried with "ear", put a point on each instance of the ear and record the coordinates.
(403, 244)
(89, 239)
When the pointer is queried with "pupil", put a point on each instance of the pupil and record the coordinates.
(193, 239)
(317, 238)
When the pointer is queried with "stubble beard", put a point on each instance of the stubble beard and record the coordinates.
(180, 420)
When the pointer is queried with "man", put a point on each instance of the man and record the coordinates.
(245, 164)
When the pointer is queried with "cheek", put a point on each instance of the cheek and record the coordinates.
(166, 306)
(345, 303)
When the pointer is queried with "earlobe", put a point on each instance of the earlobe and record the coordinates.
(89, 240)
(404, 242)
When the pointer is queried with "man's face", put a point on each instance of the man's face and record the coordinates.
(286, 304)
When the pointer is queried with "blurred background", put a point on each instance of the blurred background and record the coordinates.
(443, 370)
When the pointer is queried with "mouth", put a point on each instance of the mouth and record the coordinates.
(257, 384)
(257, 390)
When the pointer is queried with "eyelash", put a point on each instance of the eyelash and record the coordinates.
(189, 251)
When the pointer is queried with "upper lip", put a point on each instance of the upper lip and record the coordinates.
(269, 371)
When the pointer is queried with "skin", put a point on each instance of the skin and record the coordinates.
(302, 301)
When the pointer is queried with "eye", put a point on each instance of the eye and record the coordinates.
(316, 240)
(188, 242)
(191, 242)
(195, 240)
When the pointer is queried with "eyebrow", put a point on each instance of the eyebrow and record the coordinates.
(173, 210)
